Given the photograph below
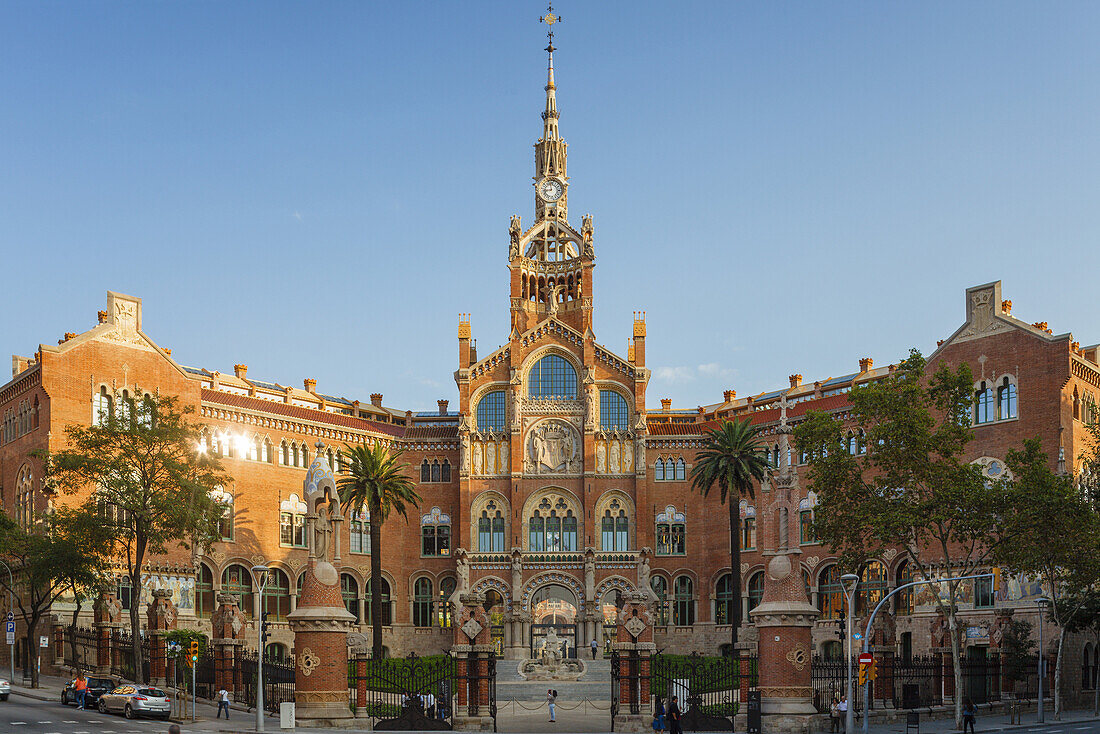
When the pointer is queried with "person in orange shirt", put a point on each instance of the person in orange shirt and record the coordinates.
(81, 688)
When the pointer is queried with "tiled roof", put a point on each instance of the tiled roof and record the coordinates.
(423, 432)
(293, 411)
(771, 415)
(436, 414)
(674, 429)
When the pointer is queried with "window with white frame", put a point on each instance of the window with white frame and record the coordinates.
(359, 528)
(435, 533)
(225, 522)
(671, 532)
(292, 522)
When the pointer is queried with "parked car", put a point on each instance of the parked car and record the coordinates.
(133, 701)
(5, 689)
(96, 688)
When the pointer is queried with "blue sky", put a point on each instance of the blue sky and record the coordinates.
(318, 189)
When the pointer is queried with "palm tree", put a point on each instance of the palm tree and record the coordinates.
(731, 458)
(375, 480)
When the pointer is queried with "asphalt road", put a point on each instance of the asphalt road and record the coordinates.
(21, 715)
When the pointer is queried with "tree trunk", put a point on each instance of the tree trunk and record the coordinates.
(1058, 675)
(1095, 683)
(956, 659)
(77, 661)
(735, 569)
(376, 581)
(31, 660)
(135, 613)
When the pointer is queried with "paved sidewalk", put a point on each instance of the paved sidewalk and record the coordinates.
(991, 723)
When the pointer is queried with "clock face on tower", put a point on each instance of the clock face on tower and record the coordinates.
(551, 189)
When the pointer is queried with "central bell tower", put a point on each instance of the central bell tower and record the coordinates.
(551, 263)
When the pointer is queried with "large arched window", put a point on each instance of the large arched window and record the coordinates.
(490, 529)
(104, 407)
(660, 587)
(756, 589)
(671, 532)
(490, 412)
(872, 587)
(1006, 400)
(724, 599)
(983, 405)
(277, 595)
(422, 603)
(613, 411)
(904, 598)
(237, 581)
(614, 529)
(683, 610)
(204, 592)
(435, 533)
(552, 377)
(349, 592)
(387, 604)
(830, 593)
(552, 527)
(443, 612)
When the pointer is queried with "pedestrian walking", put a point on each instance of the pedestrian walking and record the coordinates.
(834, 715)
(595, 647)
(842, 711)
(223, 704)
(80, 685)
(674, 717)
(659, 715)
(551, 699)
(970, 714)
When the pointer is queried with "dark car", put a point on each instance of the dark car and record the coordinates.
(96, 688)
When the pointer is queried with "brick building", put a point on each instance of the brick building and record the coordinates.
(553, 485)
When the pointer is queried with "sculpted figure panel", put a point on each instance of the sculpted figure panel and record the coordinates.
(553, 447)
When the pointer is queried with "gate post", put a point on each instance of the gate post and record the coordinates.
(472, 649)
(162, 619)
(227, 624)
(634, 643)
(107, 616)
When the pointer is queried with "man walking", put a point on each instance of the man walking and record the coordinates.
(223, 704)
(674, 717)
(595, 646)
(551, 699)
(80, 685)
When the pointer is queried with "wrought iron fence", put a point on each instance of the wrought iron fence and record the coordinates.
(80, 648)
(238, 677)
(423, 693)
(122, 658)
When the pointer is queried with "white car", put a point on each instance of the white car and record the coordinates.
(5, 689)
(133, 701)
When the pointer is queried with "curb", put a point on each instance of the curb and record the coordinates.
(27, 693)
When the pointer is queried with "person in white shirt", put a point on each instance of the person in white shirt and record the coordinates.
(595, 646)
(223, 703)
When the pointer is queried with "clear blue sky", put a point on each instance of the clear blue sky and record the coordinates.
(317, 189)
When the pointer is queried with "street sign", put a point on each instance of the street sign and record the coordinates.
(9, 626)
(9, 616)
(11, 638)
(858, 635)
(865, 658)
(43, 641)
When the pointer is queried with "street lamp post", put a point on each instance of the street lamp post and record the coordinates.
(11, 611)
(1043, 601)
(850, 580)
(261, 578)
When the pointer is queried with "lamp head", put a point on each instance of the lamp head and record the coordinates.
(260, 572)
(1043, 602)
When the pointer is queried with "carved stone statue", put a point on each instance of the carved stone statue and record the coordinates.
(587, 232)
(503, 457)
(514, 231)
(589, 573)
(550, 653)
(322, 528)
(462, 566)
(601, 458)
(552, 448)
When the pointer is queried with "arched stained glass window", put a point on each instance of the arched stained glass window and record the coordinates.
(490, 412)
(422, 603)
(277, 595)
(683, 613)
(237, 580)
(830, 593)
(349, 591)
(872, 587)
(552, 377)
(983, 405)
(1006, 400)
(756, 589)
(613, 411)
(660, 587)
(724, 599)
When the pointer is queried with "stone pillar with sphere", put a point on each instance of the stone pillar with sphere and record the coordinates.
(784, 618)
(162, 618)
(320, 621)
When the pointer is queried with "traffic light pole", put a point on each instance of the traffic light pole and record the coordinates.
(871, 621)
(194, 667)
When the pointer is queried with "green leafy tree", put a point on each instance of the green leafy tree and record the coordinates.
(84, 582)
(151, 485)
(375, 479)
(731, 459)
(46, 560)
(1052, 508)
(1017, 647)
(912, 489)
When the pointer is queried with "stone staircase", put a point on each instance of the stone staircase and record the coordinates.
(595, 684)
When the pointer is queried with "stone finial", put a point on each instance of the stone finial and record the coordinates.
(796, 380)
(310, 385)
(666, 404)
(464, 326)
(639, 324)
(1006, 307)
(69, 335)
(1075, 347)
(630, 353)
(865, 364)
(376, 399)
(102, 315)
(729, 395)
(240, 370)
(167, 351)
(1041, 325)
(442, 406)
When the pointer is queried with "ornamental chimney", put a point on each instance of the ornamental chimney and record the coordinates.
(866, 364)
(1006, 307)
(310, 385)
(240, 370)
(442, 406)
(376, 399)
(796, 380)
(666, 404)
(729, 395)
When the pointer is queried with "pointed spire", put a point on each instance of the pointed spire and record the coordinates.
(550, 115)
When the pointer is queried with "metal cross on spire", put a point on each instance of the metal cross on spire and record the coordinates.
(550, 19)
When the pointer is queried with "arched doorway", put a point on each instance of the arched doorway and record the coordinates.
(554, 607)
(494, 607)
